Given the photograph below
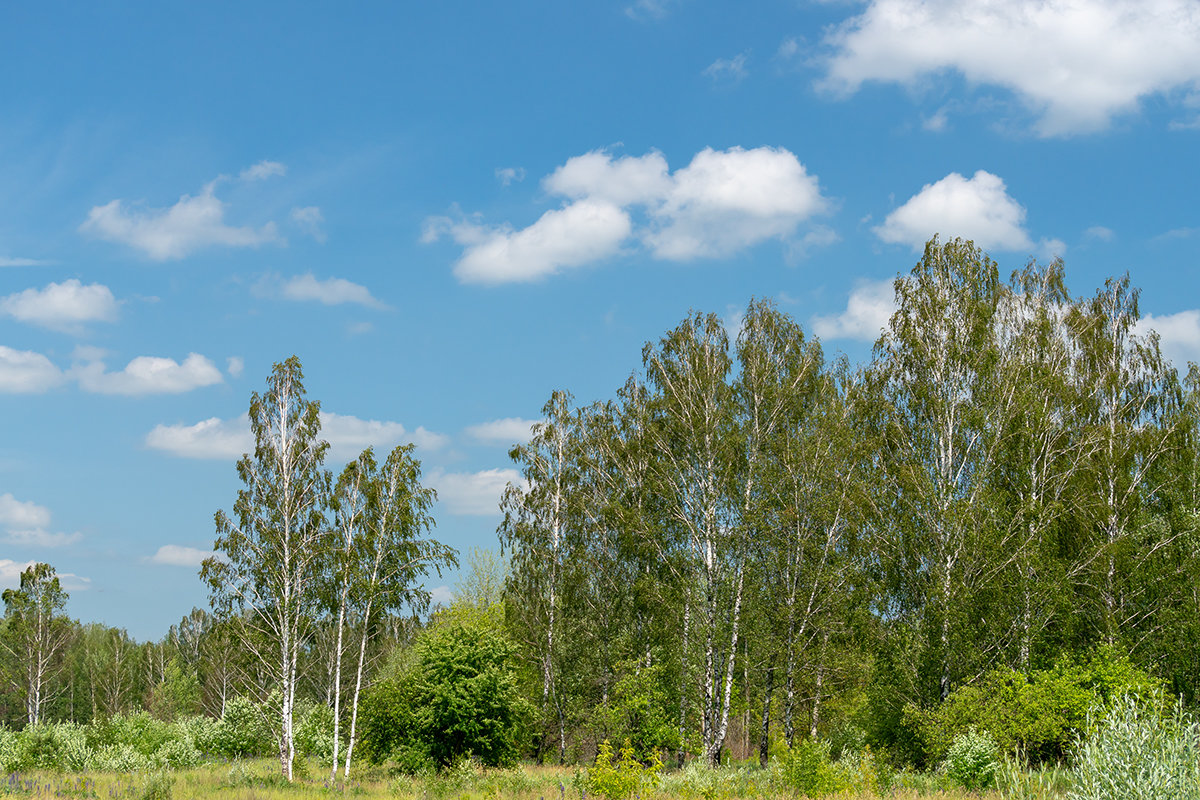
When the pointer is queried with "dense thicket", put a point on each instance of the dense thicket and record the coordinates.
(992, 523)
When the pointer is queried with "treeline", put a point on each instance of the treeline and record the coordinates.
(750, 543)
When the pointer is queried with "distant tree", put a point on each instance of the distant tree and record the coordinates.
(36, 634)
(271, 553)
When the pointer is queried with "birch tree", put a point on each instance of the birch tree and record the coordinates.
(35, 636)
(274, 548)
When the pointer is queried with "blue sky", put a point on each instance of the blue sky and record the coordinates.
(448, 210)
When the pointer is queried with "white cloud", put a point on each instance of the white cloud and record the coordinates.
(348, 436)
(580, 233)
(788, 49)
(235, 366)
(18, 514)
(441, 595)
(148, 375)
(1178, 335)
(473, 493)
(25, 524)
(10, 572)
(1100, 233)
(510, 175)
(1074, 63)
(727, 69)
(210, 438)
(179, 556)
(331, 291)
(7, 261)
(228, 439)
(868, 311)
(262, 170)
(62, 306)
(978, 208)
(723, 201)
(26, 372)
(505, 432)
(42, 538)
(310, 219)
(171, 233)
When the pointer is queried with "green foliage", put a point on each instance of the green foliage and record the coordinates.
(808, 769)
(639, 709)
(459, 697)
(971, 761)
(241, 731)
(178, 694)
(623, 778)
(138, 730)
(1039, 716)
(1138, 750)
(158, 787)
(314, 731)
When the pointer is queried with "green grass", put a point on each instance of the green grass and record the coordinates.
(260, 780)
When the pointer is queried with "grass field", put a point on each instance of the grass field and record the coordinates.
(260, 780)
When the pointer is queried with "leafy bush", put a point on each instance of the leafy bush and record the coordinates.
(622, 779)
(119, 758)
(458, 697)
(1139, 751)
(241, 731)
(639, 709)
(971, 760)
(177, 754)
(138, 730)
(314, 731)
(12, 752)
(55, 746)
(808, 769)
(1039, 716)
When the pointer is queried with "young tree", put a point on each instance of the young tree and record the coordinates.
(271, 553)
(36, 634)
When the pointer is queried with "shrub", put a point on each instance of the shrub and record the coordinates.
(971, 760)
(119, 758)
(314, 731)
(177, 754)
(55, 746)
(241, 731)
(808, 769)
(1039, 716)
(622, 779)
(139, 730)
(12, 752)
(1137, 750)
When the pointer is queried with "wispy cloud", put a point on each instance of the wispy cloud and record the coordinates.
(310, 219)
(730, 70)
(329, 291)
(505, 432)
(262, 170)
(165, 234)
(179, 556)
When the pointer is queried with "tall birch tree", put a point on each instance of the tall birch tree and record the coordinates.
(271, 553)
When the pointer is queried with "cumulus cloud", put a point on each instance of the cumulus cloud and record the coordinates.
(978, 208)
(18, 514)
(721, 202)
(165, 234)
(1074, 64)
(148, 375)
(441, 595)
(330, 291)
(10, 572)
(473, 493)
(262, 170)
(310, 219)
(507, 431)
(1178, 335)
(868, 311)
(235, 366)
(581, 233)
(25, 524)
(212, 438)
(179, 556)
(227, 439)
(27, 372)
(62, 306)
